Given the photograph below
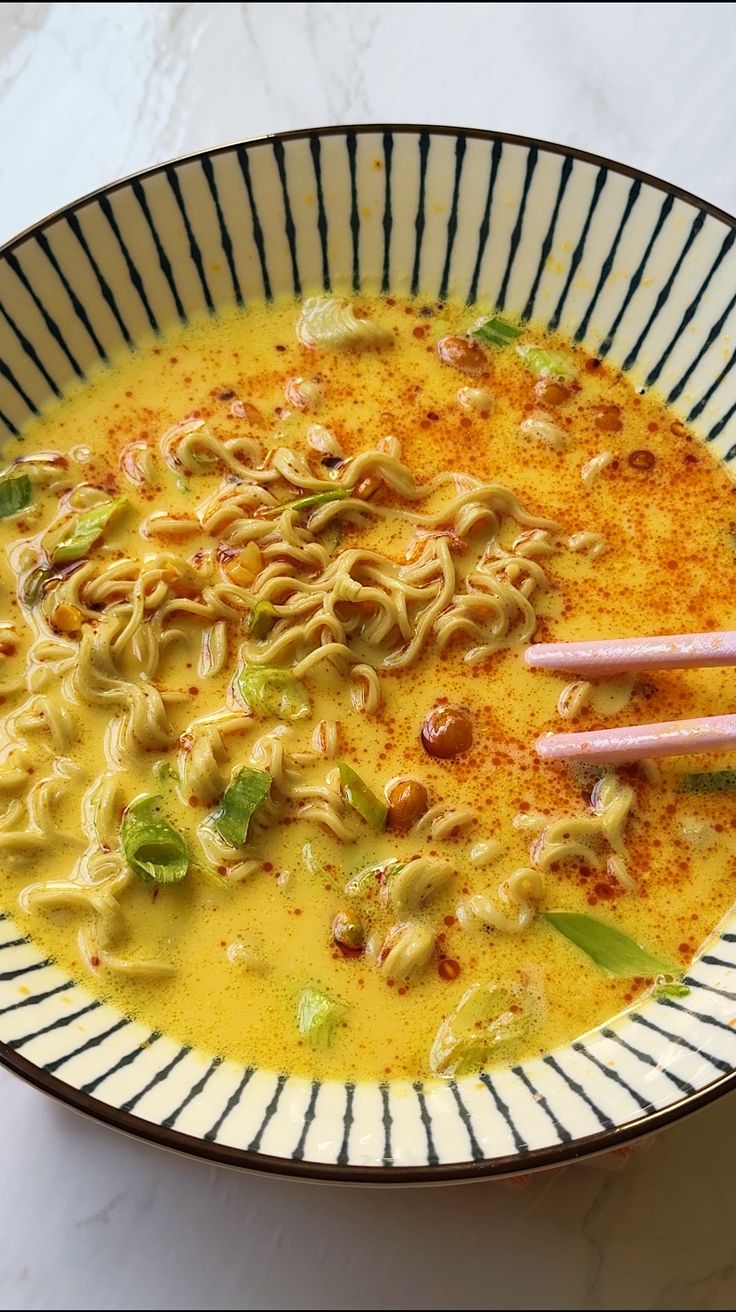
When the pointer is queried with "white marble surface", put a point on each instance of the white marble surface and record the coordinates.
(91, 91)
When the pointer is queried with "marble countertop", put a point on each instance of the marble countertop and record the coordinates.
(92, 91)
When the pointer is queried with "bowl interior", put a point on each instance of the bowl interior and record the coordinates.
(632, 268)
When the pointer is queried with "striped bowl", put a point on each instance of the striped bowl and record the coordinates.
(637, 270)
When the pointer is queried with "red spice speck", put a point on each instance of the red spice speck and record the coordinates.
(94, 961)
(605, 891)
(193, 692)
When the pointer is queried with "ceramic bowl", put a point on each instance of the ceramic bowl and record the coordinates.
(641, 273)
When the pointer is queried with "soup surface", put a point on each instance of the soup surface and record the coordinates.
(267, 758)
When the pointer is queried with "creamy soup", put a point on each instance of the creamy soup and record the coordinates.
(267, 759)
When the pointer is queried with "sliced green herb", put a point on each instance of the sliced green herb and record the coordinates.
(270, 691)
(246, 792)
(358, 795)
(613, 951)
(15, 495)
(709, 781)
(84, 531)
(165, 773)
(544, 363)
(317, 1017)
(312, 501)
(153, 848)
(262, 619)
(671, 991)
(488, 1019)
(365, 880)
(495, 331)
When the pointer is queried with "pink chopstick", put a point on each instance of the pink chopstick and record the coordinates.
(711, 733)
(714, 733)
(678, 651)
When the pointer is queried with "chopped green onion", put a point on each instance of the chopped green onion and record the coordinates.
(358, 795)
(488, 1019)
(546, 364)
(165, 773)
(84, 531)
(15, 495)
(709, 781)
(269, 691)
(262, 619)
(671, 991)
(613, 951)
(153, 848)
(317, 1017)
(363, 881)
(246, 792)
(313, 501)
(495, 331)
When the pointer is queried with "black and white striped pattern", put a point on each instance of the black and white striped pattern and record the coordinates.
(637, 271)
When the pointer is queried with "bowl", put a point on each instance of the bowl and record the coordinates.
(637, 270)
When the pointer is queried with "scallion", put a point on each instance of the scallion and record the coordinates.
(239, 802)
(84, 530)
(358, 795)
(153, 849)
(269, 691)
(613, 951)
(15, 495)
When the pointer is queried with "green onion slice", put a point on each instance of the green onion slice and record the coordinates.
(613, 951)
(15, 495)
(239, 802)
(495, 331)
(84, 530)
(312, 501)
(358, 795)
(270, 691)
(262, 619)
(672, 990)
(544, 363)
(317, 1017)
(153, 849)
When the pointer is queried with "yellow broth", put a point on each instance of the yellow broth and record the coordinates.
(243, 952)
